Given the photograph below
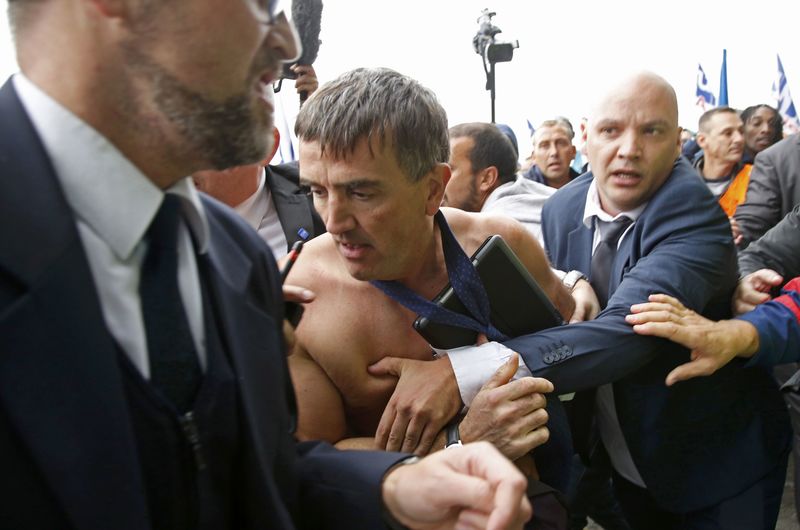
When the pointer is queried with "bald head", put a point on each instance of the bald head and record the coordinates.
(641, 90)
(633, 140)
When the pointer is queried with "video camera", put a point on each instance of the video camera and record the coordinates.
(485, 44)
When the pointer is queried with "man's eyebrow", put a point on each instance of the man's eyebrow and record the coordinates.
(657, 123)
(350, 184)
(603, 122)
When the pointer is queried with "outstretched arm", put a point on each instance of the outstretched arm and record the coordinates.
(770, 333)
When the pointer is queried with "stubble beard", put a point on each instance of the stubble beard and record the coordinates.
(212, 134)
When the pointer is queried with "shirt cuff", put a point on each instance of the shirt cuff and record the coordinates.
(474, 365)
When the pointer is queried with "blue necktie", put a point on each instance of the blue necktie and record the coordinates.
(174, 366)
(466, 283)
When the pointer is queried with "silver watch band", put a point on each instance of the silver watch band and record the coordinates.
(572, 278)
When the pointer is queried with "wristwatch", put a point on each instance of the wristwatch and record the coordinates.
(572, 278)
(453, 436)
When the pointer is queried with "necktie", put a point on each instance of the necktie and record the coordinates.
(603, 258)
(466, 283)
(174, 366)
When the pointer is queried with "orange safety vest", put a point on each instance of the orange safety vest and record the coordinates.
(734, 195)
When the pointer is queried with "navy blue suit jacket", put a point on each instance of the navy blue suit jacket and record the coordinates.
(699, 441)
(67, 452)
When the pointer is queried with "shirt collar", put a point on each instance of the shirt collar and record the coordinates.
(104, 189)
(254, 208)
(593, 209)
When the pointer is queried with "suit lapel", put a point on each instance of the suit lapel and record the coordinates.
(579, 248)
(59, 379)
(293, 208)
(250, 335)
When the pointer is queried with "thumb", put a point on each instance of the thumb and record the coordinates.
(769, 277)
(387, 366)
(503, 374)
(690, 370)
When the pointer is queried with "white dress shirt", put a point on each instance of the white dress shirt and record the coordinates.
(113, 204)
(473, 365)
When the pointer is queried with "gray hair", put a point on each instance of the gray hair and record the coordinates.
(559, 121)
(381, 103)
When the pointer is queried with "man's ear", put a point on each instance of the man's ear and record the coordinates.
(437, 179)
(487, 180)
(276, 143)
(701, 140)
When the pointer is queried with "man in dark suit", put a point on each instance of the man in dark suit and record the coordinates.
(143, 381)
(773, 191)
(704, 454)
(269, 198)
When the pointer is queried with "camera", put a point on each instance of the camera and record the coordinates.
(484, 42)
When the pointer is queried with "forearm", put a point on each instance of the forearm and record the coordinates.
(364, 443)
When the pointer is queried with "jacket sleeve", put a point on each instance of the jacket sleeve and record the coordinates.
(762, 206)
(778, 249)
(341, 489)
(684, 249)
(778, 325)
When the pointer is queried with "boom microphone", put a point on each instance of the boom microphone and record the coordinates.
(307, 18)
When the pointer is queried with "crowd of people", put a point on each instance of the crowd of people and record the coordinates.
(149, 380)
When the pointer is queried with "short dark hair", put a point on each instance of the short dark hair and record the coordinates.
(776, 122)
(492, 148)
(702, 125)
(379, 102)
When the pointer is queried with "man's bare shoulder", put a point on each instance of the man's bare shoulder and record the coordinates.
(320, 267)
(472, 229)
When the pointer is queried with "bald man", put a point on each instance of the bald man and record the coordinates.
(703, 454)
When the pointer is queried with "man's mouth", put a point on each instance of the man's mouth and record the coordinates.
(625, 177)
(352, 251)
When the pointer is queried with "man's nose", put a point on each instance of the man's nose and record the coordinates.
(337, 216)
(284, 40)
(629, 145)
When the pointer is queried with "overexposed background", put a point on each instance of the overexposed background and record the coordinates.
(568, 49)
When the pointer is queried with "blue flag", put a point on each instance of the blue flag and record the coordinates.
(780, 91)
(531, 128)
(723, 80)
(704, 94)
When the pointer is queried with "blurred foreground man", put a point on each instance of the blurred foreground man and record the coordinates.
(143, 381)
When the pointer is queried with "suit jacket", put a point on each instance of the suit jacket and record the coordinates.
(67, 452)
(702, 440)
(773, 191)
(295, 208)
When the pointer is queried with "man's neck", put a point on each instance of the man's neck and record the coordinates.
(428, 273)
(716, 169)
(558, 182)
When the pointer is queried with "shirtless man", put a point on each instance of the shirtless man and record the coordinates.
(373, 147)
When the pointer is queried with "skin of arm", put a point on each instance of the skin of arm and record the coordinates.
(586, 304)
(770, 331)
(509, 414)
(712, 344)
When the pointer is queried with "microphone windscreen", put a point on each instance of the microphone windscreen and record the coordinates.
(307, 18)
